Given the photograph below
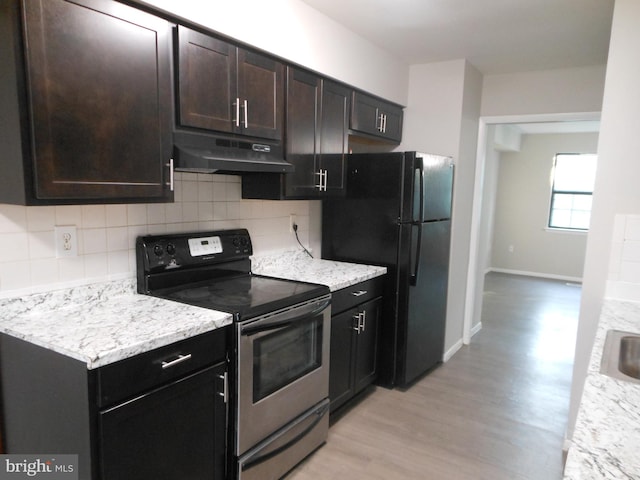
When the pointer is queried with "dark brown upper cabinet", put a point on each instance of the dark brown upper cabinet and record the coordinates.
(228, 89)
(376, 117)
(86, 103)
(316, 141)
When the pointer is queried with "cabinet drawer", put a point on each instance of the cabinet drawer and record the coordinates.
(353, 295)
(148, 370)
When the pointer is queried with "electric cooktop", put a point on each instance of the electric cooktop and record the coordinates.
(213, 270)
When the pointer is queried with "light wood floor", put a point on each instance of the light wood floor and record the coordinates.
(497, 410)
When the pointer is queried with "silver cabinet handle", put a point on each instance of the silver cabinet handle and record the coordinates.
(364, 320)
(180, 359)
(358, 319)
(225, 387)
(359, 293)
(320, 177)
(237, 105)
(246, 114)
(379, 116)
(170, 183)
(384, 124)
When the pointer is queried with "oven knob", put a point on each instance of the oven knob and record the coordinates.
(157, 249)
(236, 242)
(244, 241)
(171, 249)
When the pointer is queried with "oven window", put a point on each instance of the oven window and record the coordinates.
(286, 355)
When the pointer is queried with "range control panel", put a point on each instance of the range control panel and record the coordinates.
(164, 252)
(205, 246)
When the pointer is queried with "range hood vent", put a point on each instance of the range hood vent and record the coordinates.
(210, 154)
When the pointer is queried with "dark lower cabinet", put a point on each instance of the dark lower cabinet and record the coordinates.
(175, 432)
(159, 415)
(354, 342)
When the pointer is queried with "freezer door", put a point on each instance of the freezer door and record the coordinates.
(432, 187)
(423, 312)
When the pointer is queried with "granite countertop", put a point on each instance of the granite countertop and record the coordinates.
(297, 265)
(606, 441)
(104, 322)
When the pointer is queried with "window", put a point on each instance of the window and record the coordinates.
(574, 175)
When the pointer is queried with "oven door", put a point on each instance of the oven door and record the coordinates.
(282, 369)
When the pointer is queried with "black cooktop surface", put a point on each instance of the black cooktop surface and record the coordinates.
(244, 295)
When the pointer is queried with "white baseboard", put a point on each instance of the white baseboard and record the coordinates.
(476, 328)
(452, 351)
(550, 276)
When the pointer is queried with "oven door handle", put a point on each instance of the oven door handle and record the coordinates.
(277, 321)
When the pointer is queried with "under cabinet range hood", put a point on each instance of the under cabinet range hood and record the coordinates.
(199, 153)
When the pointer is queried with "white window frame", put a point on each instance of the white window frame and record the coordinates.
(554, 192)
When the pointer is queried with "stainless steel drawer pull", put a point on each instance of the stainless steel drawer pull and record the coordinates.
(359, 293)
(225, 387)
(180, 359)
(358, 322)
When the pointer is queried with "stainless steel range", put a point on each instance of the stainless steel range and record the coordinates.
(280, 361)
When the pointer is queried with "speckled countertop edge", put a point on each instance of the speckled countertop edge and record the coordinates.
(105, 322)
(606, 441)
(297, 265)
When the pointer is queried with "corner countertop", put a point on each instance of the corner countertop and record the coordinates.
(297, 265)
(606, 443)
(104, 322)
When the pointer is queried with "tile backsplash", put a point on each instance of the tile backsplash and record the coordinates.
(106, 233)
(624, 267)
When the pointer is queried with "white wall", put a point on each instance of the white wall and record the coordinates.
(544, 92)
(522, 210)
(442, 117)
(296, 32)
(616, 190)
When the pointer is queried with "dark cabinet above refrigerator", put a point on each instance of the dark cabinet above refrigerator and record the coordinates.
(376, 117)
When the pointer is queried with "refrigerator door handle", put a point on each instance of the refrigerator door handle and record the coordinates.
(413, 280)
(419, 179)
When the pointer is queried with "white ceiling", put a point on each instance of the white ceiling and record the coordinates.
(496, 36)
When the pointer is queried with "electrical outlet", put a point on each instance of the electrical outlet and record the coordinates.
(66, 241)
(292, 221)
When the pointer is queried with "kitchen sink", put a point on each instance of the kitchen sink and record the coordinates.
(621, 356)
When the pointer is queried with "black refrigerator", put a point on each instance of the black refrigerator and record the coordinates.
(397, 213)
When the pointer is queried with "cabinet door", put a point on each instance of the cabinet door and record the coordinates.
(334, 135)
(393, 123)
(206, 82)
(376, 117)
(303, 112)
(100, 91)
(177, 431)
(365, 365)
(260, 94)
(340, 366)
